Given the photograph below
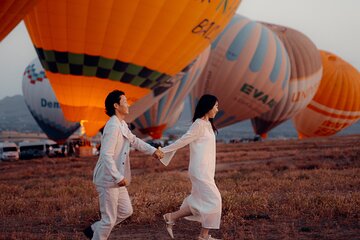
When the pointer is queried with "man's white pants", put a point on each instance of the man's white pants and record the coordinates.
(115, 207)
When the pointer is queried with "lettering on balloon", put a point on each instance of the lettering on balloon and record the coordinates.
(258, 94)
(325, 131)
(206, 28)
(301, 95)
(329, 128)
(335, 125)
(49, 104)
(222, 5)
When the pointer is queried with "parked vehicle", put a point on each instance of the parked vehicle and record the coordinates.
(39, 149)
(9, 151)
(30, 150)
(53, 149)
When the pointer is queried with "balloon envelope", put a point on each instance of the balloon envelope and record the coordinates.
(11, 13)
(165, 113)
(336, 104)
(248, 70)
(91, 47)
(305, 76)
(43, 105)
(91, 128)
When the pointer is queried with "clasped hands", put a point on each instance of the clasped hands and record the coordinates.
(158, 154)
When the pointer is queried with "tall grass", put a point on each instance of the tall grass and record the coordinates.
(270, 190)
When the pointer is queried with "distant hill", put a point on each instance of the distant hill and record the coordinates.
(15, 116)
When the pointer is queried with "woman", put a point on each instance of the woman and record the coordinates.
(204, 202)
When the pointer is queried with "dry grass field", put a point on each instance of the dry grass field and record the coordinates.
(280, 189)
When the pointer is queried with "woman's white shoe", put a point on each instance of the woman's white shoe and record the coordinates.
(208, 238)
(169, 224)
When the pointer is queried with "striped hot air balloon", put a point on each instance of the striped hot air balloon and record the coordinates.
(175, 116)
(43, 105)
(248, 70)
(157, 131)
(91, 47)
(305, 76)
(164, 114)
(11, 13)
(336, 104)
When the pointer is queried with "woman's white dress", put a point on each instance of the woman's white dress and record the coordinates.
(205, 199)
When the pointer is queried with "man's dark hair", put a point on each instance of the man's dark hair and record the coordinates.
(111, 99)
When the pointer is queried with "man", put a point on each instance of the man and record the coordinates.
(112, 172)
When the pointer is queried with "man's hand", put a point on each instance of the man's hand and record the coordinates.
(158, 154)
(122, 183)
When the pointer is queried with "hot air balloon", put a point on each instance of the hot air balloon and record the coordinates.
(12, 12)
(175, 116)
(91, 128)
(157, 131)
(43, 105)
(248, 70)
(305, 76)
(91, 47)
(336, 104)
(164, 114)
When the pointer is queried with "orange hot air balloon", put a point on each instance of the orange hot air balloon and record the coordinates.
(305, 76)
(164, 114)
(91, 128)
(248, 70)
(91, 47)
(12, 12)
(336, 104)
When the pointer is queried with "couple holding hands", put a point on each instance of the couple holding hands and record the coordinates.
(112, 172)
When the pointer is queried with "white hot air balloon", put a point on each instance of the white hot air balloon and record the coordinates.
(43, 105)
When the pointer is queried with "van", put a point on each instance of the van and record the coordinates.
(35, 149)
(9, 151)
(39, 149)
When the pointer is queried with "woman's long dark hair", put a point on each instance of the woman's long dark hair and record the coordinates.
(205, 104)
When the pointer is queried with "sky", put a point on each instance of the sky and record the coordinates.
(332, 25)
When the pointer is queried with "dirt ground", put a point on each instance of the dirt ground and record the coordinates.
(279, 189)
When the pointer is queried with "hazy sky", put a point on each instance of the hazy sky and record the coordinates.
(332, 25)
